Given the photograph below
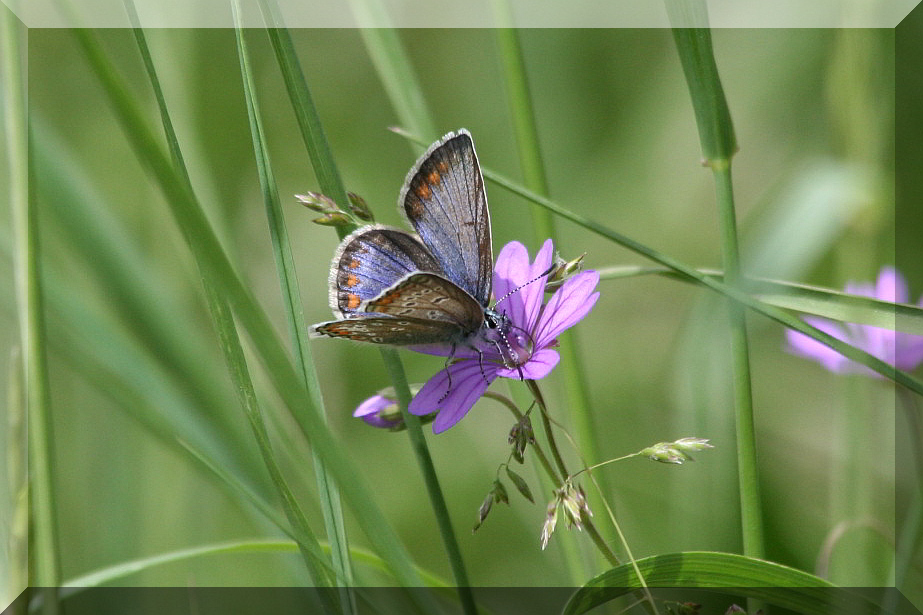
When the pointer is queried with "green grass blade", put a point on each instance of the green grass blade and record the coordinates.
(737, 575)
(203, 242)
(30, 307)
(294, 312)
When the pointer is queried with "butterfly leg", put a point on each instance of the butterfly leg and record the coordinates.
(448, 373)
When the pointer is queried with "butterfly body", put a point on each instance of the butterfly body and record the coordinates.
(433, 288)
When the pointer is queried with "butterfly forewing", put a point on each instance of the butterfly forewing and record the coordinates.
(432, 298)
(445, 201)
(371, 260)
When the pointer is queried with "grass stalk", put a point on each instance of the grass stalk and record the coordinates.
(45, 552)
(328, 492)
(185, 208)
(716, 134)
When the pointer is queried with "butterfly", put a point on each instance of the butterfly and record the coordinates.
(389, 286)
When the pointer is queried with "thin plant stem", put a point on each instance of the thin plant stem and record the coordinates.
(562, 475)
(716, 135)
(46, 564)
(328, 493)
(433, 488)
(751, 510)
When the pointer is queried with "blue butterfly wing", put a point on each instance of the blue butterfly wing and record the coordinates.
(445, 201)
(371, 260)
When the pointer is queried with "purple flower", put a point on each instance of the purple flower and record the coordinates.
(902, 350)
(530, 338)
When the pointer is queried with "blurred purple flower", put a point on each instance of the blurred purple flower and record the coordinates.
(529, 340)
(902, 350)
(380, 411)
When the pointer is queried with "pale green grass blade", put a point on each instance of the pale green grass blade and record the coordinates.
(736, 575)
(805, 298)
(106, 576)
(189, 215)
(45, 557)
(383, 44)
(294, 312)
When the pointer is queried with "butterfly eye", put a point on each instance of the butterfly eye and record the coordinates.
(491, 322)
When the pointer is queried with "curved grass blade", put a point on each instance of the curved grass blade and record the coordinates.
(727, 573)
(294, 312)
(203, 242)
(805, 298)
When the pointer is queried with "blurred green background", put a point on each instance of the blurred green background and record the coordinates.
(813, 111)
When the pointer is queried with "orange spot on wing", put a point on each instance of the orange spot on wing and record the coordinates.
(353, 264)
(352, 280)
(423, 191)
(442, 166)
(433, 178)
(353, 301)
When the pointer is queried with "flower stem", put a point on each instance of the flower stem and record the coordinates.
(585, 519)
(437, 500)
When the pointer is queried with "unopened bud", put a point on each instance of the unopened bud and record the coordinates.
(551, 520)
(563, 270)
(359, 207)
(521, 435)
(676, 452)
(333, 219)
(315, 201)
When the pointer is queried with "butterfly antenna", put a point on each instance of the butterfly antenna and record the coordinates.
(520, 287)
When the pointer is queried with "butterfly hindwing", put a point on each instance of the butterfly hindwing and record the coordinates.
(387, 330)
(445, 201)
(429, 297)
(371, 260)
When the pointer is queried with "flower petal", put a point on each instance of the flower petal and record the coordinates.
(891, 286)
(537, 367)
(808, 347)
(467, 385)
(533, 295)
(512, 265)
(569, 305)
(371, 409)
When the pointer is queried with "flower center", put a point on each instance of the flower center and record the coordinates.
(512, 343)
